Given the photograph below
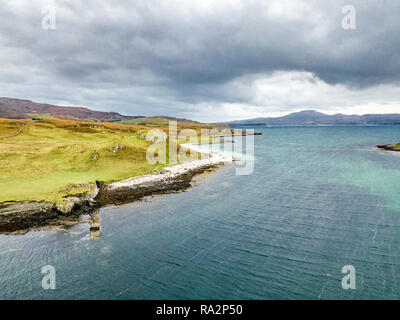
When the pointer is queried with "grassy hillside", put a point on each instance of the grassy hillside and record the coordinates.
(50, 159)
(12, 108)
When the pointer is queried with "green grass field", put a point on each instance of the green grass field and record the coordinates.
(9, 129)
(51, 159)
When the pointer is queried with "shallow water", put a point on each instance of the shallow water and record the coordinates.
(319, 198)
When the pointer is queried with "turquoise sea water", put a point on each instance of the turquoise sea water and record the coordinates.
(319, 198)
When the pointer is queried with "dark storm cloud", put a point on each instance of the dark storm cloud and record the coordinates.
(159, 56)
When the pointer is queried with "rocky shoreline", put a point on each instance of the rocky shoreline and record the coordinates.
(21, 217)
(388, 147)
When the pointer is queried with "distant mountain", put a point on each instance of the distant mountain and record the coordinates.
(311, 117)
(26, 109)
(12, 108)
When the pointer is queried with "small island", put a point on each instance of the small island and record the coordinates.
(389, 147)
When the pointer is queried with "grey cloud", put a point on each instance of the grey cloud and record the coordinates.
(164, 55)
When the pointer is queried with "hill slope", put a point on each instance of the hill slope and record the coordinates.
(11, 108)
(25, 109)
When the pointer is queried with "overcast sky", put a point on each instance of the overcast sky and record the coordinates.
(205, 60)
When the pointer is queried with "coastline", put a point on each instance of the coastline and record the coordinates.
(22, 217)
(389, 147)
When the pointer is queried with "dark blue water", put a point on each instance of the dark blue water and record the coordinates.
(319, 198)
